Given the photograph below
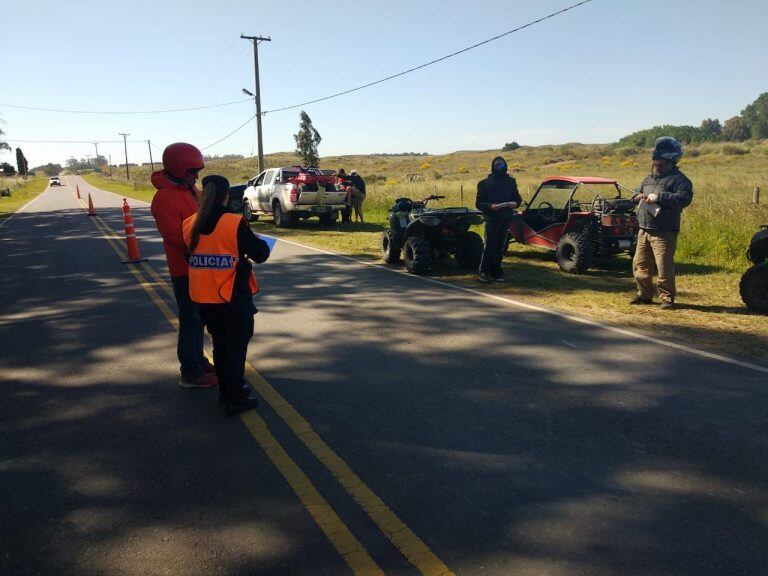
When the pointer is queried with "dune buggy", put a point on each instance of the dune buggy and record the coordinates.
(754, 283)
(423, 235)
(578, 218)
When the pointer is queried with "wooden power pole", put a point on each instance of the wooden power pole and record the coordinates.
(257, 95)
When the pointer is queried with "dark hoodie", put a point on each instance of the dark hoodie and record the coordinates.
(497, 188)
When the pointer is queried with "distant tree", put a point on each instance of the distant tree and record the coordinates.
(711, 128)
(307, 140)
(7, 169)
(21, 162)
(646, 138)
(756, 116)
(3, 145)
(510, 146)
(48, 169)
(735, 130)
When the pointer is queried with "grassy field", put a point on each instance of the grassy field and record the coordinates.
(715, 232)
(22, 191)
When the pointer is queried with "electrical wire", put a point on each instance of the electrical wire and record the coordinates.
(71, 141)
(230, 134)
(431, 62)
(124, 112)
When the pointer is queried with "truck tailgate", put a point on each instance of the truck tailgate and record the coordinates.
(321, 197)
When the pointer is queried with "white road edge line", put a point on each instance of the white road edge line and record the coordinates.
(535, 308)
(571, 344)
(35, 199)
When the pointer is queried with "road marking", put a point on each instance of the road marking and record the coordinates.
(571, 344)
(18, 211)
(541, 309)
(393, 528)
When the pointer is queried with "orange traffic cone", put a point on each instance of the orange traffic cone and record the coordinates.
(131, 242)
(91, 211)
(78, 191)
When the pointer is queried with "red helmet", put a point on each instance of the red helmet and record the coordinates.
(181, 157)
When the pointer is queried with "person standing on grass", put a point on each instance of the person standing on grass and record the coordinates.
(221, 247)
(497, 198)
(358, 195)
(661, 198)
(344, 183)
(175, 200)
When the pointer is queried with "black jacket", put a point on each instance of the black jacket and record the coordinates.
(495, 189)
(675, 192)
(249, 246)
(357, 182)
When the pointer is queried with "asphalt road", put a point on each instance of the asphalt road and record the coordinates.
(445, 430)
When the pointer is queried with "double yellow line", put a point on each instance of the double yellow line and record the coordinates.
(337, 532)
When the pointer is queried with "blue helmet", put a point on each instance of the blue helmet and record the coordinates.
(668, 148)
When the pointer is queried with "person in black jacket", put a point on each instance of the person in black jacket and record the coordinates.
(661, 198)
(227, 316)
(497, 197)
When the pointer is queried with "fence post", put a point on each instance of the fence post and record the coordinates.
(462, 192)
(756, 197)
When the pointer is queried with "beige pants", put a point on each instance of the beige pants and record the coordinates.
(655, 254)
(358, 198)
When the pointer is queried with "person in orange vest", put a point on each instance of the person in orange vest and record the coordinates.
(221, 247)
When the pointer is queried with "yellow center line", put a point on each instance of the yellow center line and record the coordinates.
(340, 536)
(394, 529)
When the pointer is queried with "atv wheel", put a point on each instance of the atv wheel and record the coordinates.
(282, 220)
(574, 251)
(248, 212)
(418, 255)
(754, 288)
(328, 219)
(391, 246)
(470, 252)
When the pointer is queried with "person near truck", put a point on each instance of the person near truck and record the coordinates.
(175, 200)
(497, 198)
(661, 198)
(221, 247)
(358, 195)
(344, 183)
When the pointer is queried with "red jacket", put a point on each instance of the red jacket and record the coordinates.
(172, 204)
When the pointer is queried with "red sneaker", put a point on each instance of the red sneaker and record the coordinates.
(202, 381)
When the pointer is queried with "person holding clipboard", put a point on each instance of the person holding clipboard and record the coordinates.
(497, 198)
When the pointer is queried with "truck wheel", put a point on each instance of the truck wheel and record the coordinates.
(328, 219)
(469, 252)
(574, 251)
(754, 288)
(418, 255)
(248, 212)
(391, 246)
(282, 220)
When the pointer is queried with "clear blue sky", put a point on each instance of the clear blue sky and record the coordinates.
(590, 75)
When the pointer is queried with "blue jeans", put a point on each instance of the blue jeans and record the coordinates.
(190, 346)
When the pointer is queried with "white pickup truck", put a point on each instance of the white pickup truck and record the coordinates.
(277, 191)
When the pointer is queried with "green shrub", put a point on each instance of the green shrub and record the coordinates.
(734, 150)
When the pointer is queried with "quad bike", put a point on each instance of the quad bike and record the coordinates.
(754, 283)
(423, 235)
(577, 218)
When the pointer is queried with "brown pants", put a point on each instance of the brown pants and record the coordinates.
(358, 198)
(655, 254)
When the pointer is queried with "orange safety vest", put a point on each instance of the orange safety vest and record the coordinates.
(212, 266)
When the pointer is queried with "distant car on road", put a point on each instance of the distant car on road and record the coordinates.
(54, 181)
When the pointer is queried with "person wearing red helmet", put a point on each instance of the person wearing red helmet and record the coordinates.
(175, 200)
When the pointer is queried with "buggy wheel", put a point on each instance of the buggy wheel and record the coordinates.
(328, 219)
(469, 252)
(754, 288)
(248, 212)
(391, 246)
(418, 255)
(575, 251)
(282, 220)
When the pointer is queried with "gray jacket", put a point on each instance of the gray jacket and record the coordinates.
(675, 192)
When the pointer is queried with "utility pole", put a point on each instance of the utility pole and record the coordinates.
(125, 145)
(255, 40)
(96, 145)
(151, 163)
(110, 166)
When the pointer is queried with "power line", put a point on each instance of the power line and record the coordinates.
(230, 134)
(124, 112)
(70, 141)
(431, 62)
